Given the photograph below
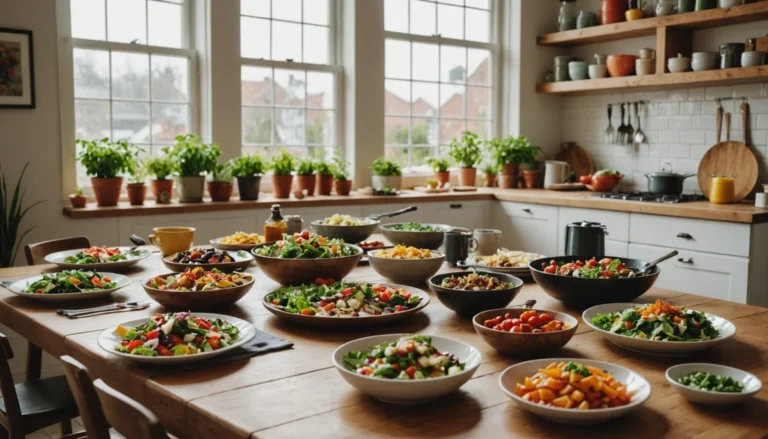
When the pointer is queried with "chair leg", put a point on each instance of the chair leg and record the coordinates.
(34, 362)
(3, 433)
(66, 427)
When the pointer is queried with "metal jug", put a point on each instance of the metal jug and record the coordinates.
(586, 239)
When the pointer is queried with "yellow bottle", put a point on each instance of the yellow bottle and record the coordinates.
(723, 189)
(275, 226)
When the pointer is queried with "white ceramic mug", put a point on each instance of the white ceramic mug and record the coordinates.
(488, 241)
(555, 172)
(761, 200)
(752, 59)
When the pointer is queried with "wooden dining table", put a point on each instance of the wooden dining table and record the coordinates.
(298, 393)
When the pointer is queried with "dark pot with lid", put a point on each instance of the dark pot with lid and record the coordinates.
(666, 182)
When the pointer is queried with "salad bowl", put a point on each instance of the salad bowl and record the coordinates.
(351, 233)
(207, 299)
(65, 259)
(726, 330)
(19, 288)
(242, 260)
(406, 270)
(408, 391)
(467, 303)
(751, 383)
(431, 239)
(524, 343)
(295, 271)
(109, 340)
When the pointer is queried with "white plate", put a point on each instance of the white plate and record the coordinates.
(19, 286)
(633, 380)
(108, 340)
(59, 257)
(751, 383)
(725, 328)
(218, 245)
(408, 391)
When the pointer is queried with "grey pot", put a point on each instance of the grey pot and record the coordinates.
(386, 182)
(191, 189)
(666, 182)
(249, 187)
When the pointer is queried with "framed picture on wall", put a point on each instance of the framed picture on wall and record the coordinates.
(17, 85)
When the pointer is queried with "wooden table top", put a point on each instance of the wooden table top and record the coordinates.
(297, 392)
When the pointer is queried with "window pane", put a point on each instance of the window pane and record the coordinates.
(325, 153)
(130, 121)
(425, 99)
(286, 43)
(452, 2)
(423, 17)
(254, 38)
(88, 19)
(483, 4)
(423, 131)
(479, 67)
(91, 119)
(165, 24)
(287, 10)
(452, 98)
(398, 154)
(256, 87)
(127, 20)
(91, 72)
(396, 15)
(257, 125)
(450, 129)
(170, 78)
(289, 126)
(450, 21)
(397, 95)
(425, 62)
(130, 76)
(320, 90)
(320, 127)
(397, 59)
(168, 121)
(316, 11)
(478, 25)
(259, 8)
(479, 102)
(419, 156)
(396, 130)
(480, 127)
(453, 64)
(290, 87)
(316, 40)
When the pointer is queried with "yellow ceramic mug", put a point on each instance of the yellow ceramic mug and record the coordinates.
(172, 240)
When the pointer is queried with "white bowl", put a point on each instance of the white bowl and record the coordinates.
(20, 286)
(597, 71)
(406, 270)
(408, 391)
(704, 61)
(634, 381)
(658, 347)
(679, 64)
(751, 383)
(729, 3)
(752, 59)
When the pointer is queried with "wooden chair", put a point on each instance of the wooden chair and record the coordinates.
(33, 405)
(127, 416)
(96, 425)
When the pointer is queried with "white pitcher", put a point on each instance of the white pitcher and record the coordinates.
(555, 172)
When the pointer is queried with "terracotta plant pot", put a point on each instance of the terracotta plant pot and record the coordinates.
(342, 187)
(220, 190)
(324, 184)
(281, 185)
(467, 176)
(107, 190)
(136, 193)
(508, 181)
(489, 180)
(443, 177)
(78, 201)
(191, 189)
(249, 187)
(162, 190)
(306, 182)
(531, 178)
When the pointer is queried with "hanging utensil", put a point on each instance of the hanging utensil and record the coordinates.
(639, 135)
(630, 130)
(610, 132)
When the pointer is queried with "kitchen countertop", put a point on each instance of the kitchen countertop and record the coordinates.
(744, 212)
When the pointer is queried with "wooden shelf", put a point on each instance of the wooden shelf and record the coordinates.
(710, 18)
(743, 75)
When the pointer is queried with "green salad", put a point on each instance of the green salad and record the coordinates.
(70, 281)
(658, 321)
(306, 245)
(415, 227)
(409, 358)
(711, 383)
(98, 255)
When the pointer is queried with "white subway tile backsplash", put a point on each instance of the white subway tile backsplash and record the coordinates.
(758, 106)
(697, 151)
(697, 94)
(693, 137)
(657, 123)
(719, 92)
(680, 122)
(748, 90)
(669, 109)
(690, 108)
(659, 151)
(703, 121)
(679, 151)
(669, 136)
(758, 137)
(678, 95)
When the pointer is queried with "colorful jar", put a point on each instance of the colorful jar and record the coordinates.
(723, 189)
(612, 11)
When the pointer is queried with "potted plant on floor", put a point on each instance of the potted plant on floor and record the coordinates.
(341, 182)
(324, 178)
(440, 166)
(193, 159)
(466, 152)
(248, 170)
(162, 186)
(12, 212)
(305, 176)
(282, 166)
(77, 198)
(220, 186)
(386, 174)
(489, 175)
(137, 190)
(104, 161)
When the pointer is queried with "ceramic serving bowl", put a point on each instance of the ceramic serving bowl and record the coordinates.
(524, 343)
(679, 64)
(621, 65)
(597, 71)
(350, 234)
(202, 300)
(645, 66)
(752, 59)
(577, 70)
(704, 61)
(301, 271)
(469, 303)
(406, 270)
(408, 391)
(428, 240)
(752, 384)
(635, 382)
(241, 260)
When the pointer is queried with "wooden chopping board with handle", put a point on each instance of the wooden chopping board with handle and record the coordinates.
(730, 158)
(578, 159)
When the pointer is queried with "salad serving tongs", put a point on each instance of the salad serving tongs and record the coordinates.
(378, 216)
(99, 309)
(653, 263)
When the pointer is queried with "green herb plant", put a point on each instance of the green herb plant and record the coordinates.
(161, 167)
(323, 168)
(385, 168)
(339, 169)
(12, 213)
(439, 164)
(466, 150)
(222, 173)
(105, 159)
(193, 158)
(139, 171)
(491, 168)
(513, 150)
(306, 167)
(78, 191)
(248, 165)
(283, 163)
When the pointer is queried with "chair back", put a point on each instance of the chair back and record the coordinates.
(127, 416)
(87, 400)
(36, 253)
(12, 413)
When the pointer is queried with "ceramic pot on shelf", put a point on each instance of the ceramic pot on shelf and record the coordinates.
(443, 177)
(342, 187)
(679, 64)
(162, 190)
(281, 185)
(107, 190)
(306, 182)
(249, 187)
(489, 180)
(703, 61)
(510, 173)
(324, 184)
(645, 66)
(531, 178)
(78, 201)
(191, 189)
(467, 176)
(597, 71)
(752, 59)
(137, 192)
(387, 182)
(220, 190)
(612, 11)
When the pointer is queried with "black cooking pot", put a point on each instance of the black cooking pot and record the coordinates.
(666, 182)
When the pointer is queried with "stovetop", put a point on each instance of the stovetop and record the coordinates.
(651, 198)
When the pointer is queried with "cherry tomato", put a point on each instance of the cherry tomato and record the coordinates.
(411, 371)
(506, 325)
(605, 262)
(607, 273)
(347, 291)
(195, 255)
(163, 351)
(535, 322)
(628, 325)
(176, 340)
(490, 323)
(518, 328)
(385, 297)
(527, 315)
(564, 270)
(585, 179)
(525, 327)
(305, 234)
(399, 308)
(214, 342)
(621, 267)
(307, 312)
(406, 295)
(545, 318)
(579, 264)
(591, 263)
(203, 324)
(134, 344)
(552, 269)
(152, 335)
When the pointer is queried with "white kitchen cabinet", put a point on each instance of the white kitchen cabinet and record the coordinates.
(414, 216)
(615, 248)
(468, 214)
(705, 274)
(208, 225)
(690, 234)
(528, 227)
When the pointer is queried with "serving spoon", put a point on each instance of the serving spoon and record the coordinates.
(653, 264)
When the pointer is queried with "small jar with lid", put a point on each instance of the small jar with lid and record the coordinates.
(275, 226)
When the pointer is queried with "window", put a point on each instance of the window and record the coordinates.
(132, 72)
(289, 77)
(439, 76)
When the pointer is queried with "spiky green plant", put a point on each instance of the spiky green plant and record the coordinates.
(11, 216)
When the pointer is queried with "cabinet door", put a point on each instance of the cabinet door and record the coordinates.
(527, 227)
(208, 225)
(613, 248)
(691, 234)
(468, 214)
(704, 274)
(414, 216)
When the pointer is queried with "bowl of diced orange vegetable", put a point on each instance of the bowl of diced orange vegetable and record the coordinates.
(402, 264)
(524, 331)
(574, 390)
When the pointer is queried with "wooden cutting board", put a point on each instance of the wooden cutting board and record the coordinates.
(578, 159)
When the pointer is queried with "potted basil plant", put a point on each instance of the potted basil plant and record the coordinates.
(440, 166)
(137, 190)
(162, 186)
(77, 198)
(305, 176)
(489, 175)
(248, 170)
(341, 182)
(104, 162)
(220, 186)
(466, 152)
(324, 181)
(509, 153)
(386, 174)
(193, 159)
(282, 165)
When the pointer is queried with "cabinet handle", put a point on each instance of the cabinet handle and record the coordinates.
(684, 236)
(685, 260)
(527, 210)
(455, 206)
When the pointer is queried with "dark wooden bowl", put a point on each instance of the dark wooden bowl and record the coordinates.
(198, 300)
(521, 343)
(469, 303)
(301, 271)
(243, 260)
